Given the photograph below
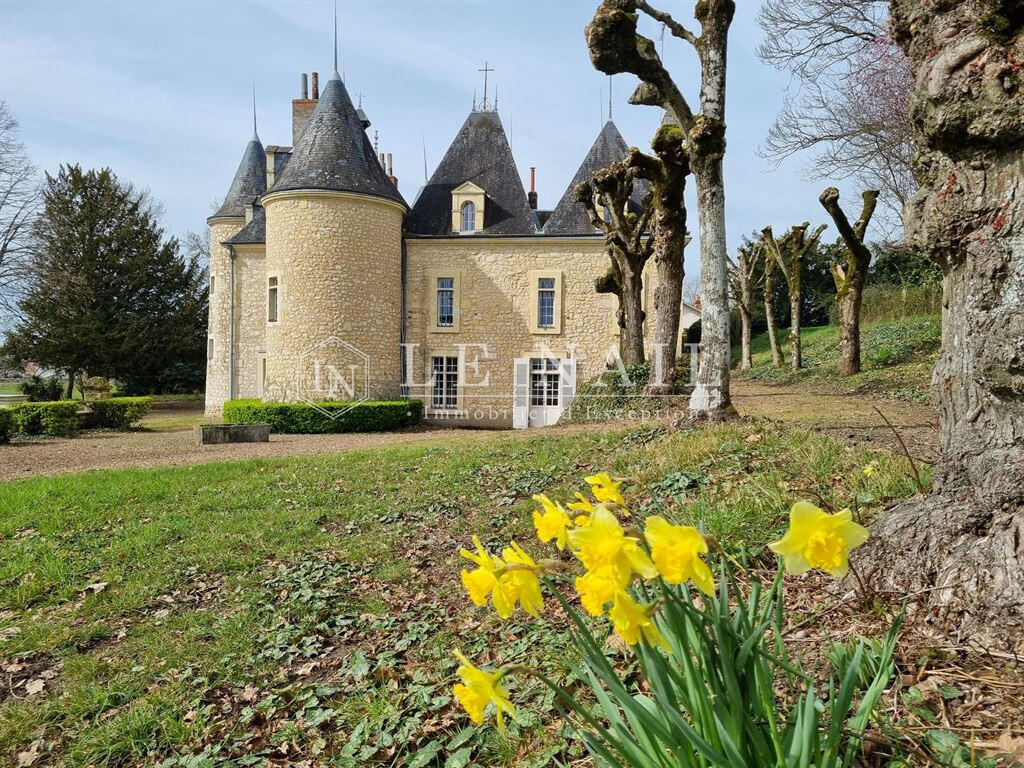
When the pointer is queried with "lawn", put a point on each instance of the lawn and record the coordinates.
(897, 358)
(306, 608)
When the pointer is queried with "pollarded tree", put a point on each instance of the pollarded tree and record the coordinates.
(742, 278)
(615, 47)
(789, 254)
(769, 267)
(960, 549)
(628, 248)
(849, 278)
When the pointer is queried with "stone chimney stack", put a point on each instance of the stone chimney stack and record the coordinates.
(532, 196)
(391, 172)
(302, 107)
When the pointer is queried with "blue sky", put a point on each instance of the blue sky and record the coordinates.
(160, 91)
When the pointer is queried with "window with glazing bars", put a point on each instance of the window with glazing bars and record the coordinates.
(546, 302)
(446, 301)
(272, 300)
(469, 217)
(445, 382)
(544, 380)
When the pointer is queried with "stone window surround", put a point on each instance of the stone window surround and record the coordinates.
(467, 192)
(279, 286)
(533, 278)
(432, 277)
(209, 348)
(460, 396)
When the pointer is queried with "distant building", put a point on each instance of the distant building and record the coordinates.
(326, 284)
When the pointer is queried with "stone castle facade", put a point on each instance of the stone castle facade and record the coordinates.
(326, 285)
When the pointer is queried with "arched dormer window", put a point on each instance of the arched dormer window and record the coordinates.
(468, 223)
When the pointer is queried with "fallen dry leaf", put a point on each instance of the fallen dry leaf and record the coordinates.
(28, 757)
(35, 686)
(96, 587)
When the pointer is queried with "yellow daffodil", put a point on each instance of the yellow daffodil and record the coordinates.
(518, 584)
(478, 689)
(552, 522)
(603, 544)
(584, 505)
(633, 621)
(816, 539)
(870, 469)
(605, 489)
(597, 588)
(676, 551)
(480, 582)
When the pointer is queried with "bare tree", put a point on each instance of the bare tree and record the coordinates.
(615, 46)
(197, 247)
(628, 248)
(789, 254)
(741, 280)
(769, 267)
(959, 550)
(19, 204)
(850, 99)
(849, 278)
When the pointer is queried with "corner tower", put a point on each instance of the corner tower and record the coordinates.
(249, 183)
(333, 264)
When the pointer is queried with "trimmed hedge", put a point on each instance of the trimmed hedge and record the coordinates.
(6, 425)
(54, 418)
(303, 418)
(118, 412)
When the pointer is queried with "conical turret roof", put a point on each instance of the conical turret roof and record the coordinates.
(481, 154)
(569, 216)
(334, 153)
(249, 183)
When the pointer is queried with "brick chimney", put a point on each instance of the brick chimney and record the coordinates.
(532, 197)
(302, 107)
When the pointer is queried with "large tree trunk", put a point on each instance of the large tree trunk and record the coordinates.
(795, 349)
(632, 328)
(962, 550)
(746, 361)
(668, 249)
(769, 312)
(849, 330)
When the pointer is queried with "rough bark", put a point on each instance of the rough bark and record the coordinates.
(849, 278)
(965, 545)
(769, 308)
(628, 248)
(741, 279)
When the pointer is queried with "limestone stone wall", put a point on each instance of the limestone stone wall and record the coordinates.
(494, 297)
(337, 258)
(219, 324)
(250, 319)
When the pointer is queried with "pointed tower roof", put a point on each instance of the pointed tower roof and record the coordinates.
(334, 153)
(481, 154)
(250, 180)
(569, 216)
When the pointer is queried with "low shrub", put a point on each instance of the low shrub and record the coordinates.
(118, 412)
(303, 418)
(6, 425)
(40, 390)
(53, 418)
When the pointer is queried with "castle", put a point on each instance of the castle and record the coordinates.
(326, 285)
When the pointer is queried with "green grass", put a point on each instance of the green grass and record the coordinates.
(306, 608)
(897, 357)
(10, 389)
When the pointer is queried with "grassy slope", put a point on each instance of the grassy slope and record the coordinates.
(897, 356)
(314, 602)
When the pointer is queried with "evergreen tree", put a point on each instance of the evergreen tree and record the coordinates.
(108, 295)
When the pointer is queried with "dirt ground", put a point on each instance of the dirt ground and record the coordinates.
(167, 438)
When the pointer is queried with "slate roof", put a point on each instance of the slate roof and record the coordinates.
(334, 153)
(480, 153)
(250, 180)
(570, 217)
(253, 232)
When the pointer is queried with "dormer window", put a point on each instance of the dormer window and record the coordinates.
(468, 217)
(468, 202)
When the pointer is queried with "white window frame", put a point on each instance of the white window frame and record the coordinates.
(534, 277)
(463, 212)
(433, 295)
(450, 367)
(273, 299)
(209, 348)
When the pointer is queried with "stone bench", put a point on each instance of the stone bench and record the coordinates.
(214, 434)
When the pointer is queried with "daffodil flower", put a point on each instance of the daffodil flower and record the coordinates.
(598, 588)
(519, 583)
(816, 539)
(584, 505)
(552, 522)
(605, 489)
(633, 621)
(676, 551)
(870, 469)
(481, 582)
(603, 544)
(478, 689)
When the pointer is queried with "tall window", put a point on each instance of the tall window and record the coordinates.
(544, 380)
(213, 283)
(468, 217)
(445, 382)
(446, 301)
(272, 299)
(546, 302)
(209, 348)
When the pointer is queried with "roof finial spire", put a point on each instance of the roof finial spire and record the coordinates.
(474, 98)
(255, 136)
(485, 70)
(609, 98)
(334, 74)
(495, 98)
